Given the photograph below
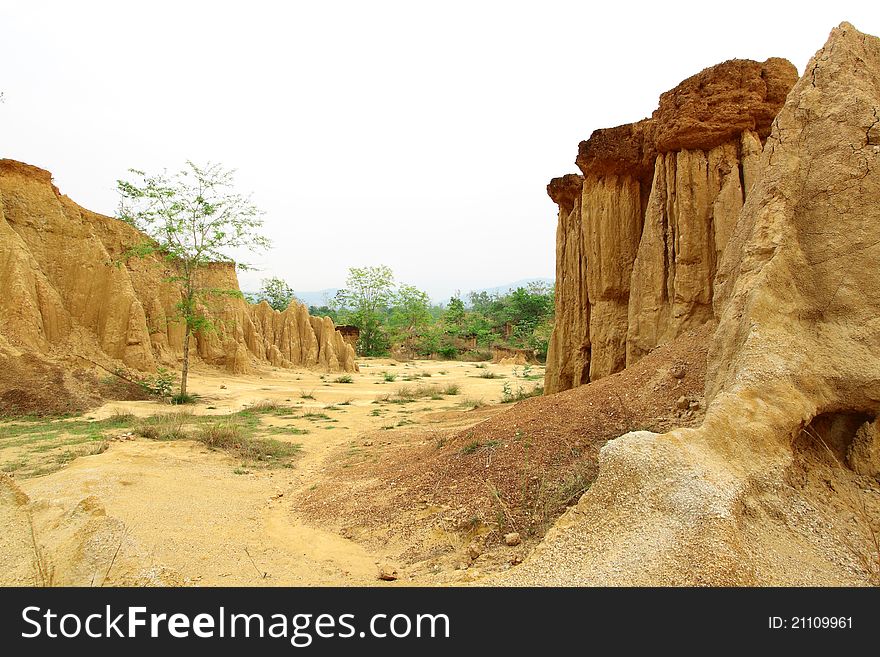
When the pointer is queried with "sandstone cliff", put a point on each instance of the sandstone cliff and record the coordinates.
(779, 484)
(69, 291)
(641, 233)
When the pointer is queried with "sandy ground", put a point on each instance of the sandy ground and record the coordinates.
(197, 514)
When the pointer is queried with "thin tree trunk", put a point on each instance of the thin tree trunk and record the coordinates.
(185, 372)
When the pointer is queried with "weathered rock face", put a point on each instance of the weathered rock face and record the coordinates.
(797, 292)
(639, 243)
(68, 290)
(568, 353)
(793, 377)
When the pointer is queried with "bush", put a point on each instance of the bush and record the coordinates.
(187, 398)
(449, 352)
(345, 378)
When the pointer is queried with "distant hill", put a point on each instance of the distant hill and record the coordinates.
(507, 287)
(316, 297)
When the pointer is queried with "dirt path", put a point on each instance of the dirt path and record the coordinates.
(199, 514)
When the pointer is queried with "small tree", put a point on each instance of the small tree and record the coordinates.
(412, 309)
(277, 293)
(455, 312)
(367, 294)
(194, 218)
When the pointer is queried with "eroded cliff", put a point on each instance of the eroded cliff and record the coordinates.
(642, 231)
(778, 486)
(70, 292)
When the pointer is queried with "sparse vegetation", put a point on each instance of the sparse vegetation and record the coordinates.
(184, 398)
(235, 438)
(510, 395)
(345, 378)
(470, 447)
(312, 416)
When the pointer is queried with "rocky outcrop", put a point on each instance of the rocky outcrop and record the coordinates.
(774, 487)
(69, 290)
(505, 355)
(568, 352)
(641, 233)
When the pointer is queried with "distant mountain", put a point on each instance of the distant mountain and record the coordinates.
(316, 297)
(508, 287)
(498, 289)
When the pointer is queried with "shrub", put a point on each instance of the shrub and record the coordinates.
(449, 351)
(184, 398)
(471, 447)
(160, 385)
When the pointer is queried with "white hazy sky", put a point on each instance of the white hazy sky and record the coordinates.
(413, 134)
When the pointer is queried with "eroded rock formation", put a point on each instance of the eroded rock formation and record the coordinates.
(68, 290)
(778, 486)
(642, 231)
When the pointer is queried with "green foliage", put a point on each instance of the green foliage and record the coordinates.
(448, 351)
(471, 447)
(455, 312)
(326, 311)
(364, 302)
(193, 218)
(276, 292)
(388, 313)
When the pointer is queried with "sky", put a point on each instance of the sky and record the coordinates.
(413, 134)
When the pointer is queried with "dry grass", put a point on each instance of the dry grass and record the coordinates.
(233, 437)
(234, 433)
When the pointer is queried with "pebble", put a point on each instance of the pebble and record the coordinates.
(387, 572)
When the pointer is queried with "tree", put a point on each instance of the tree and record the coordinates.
(325, 311)
(277, 293)
(193, 218)
(365, 299)
(455, 311)
(412, 309)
